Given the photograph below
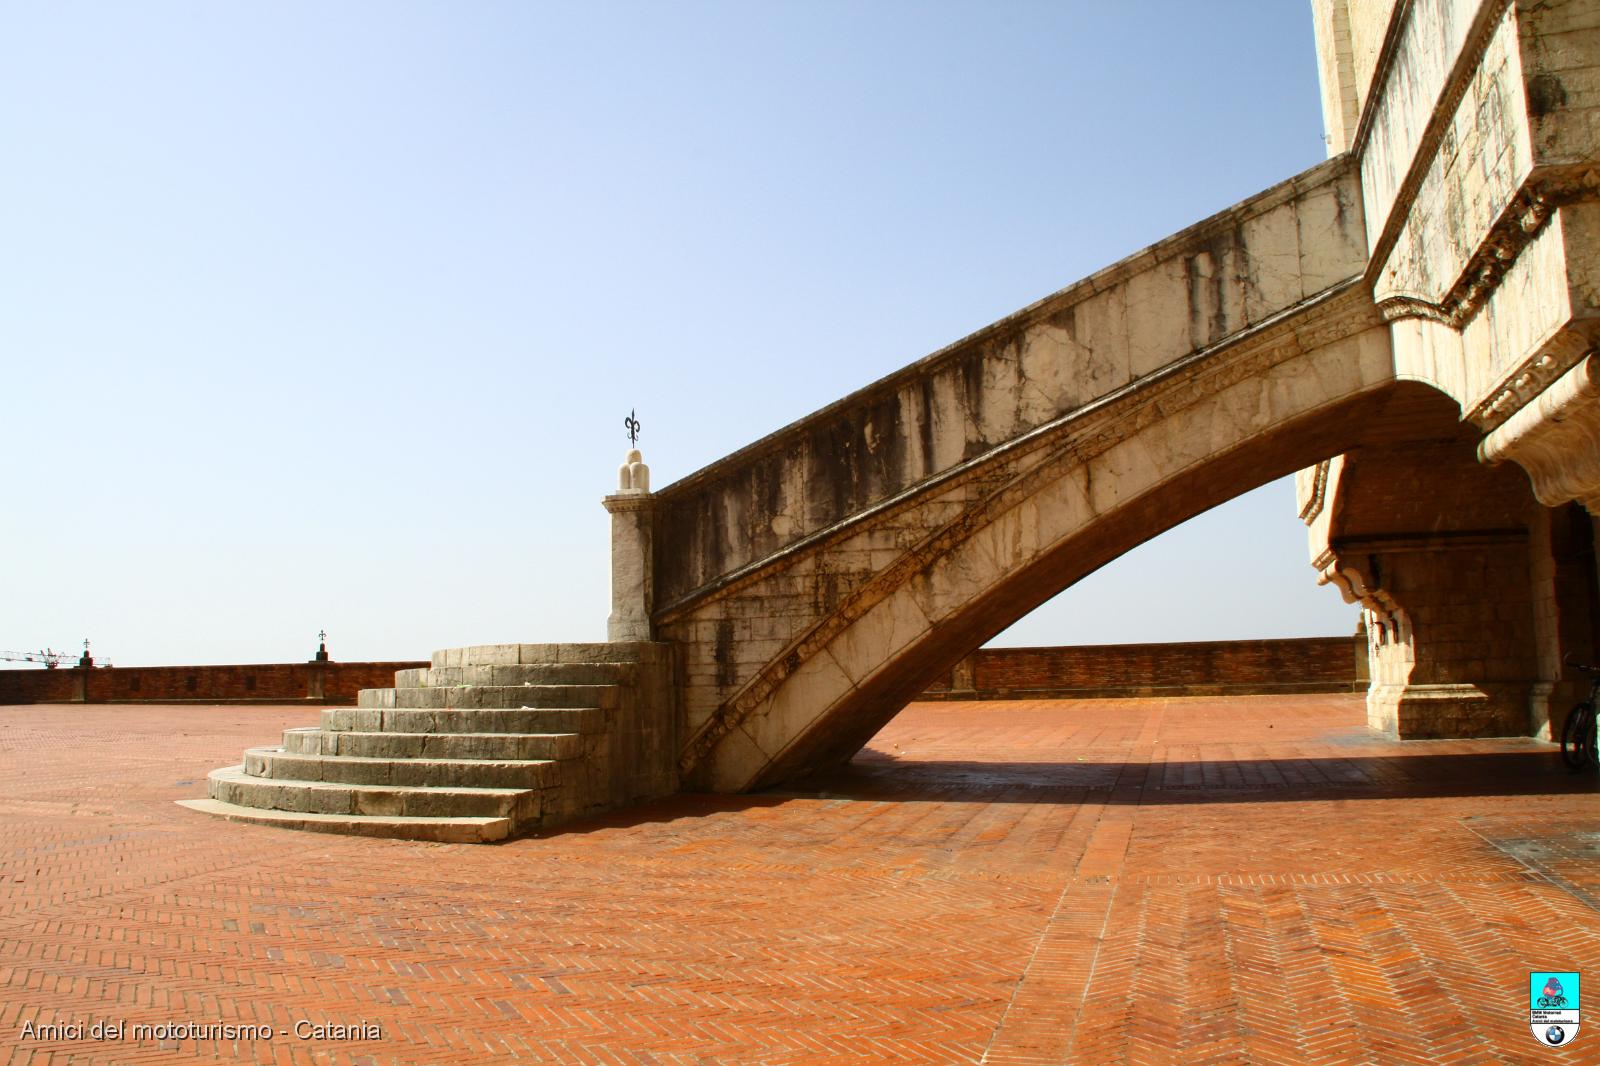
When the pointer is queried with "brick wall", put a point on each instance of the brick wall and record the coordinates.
(250, 683)
(1235, 667)
(1317, 664)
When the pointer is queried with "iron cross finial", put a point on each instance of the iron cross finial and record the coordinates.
(632, 424)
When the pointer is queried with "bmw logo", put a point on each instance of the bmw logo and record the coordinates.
(1555, 1035)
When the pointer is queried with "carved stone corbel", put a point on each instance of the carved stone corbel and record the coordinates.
(1556, 439)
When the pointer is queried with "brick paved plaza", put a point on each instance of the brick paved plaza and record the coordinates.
(1250, 879)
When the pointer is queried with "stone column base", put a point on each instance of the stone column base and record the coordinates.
(1422, 712)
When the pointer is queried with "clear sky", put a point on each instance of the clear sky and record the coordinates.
(328, 314)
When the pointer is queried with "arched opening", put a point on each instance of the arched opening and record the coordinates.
(984, 584)
(1473, 592)
(982, 612)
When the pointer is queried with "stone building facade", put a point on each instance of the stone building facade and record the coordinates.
(1474, 126)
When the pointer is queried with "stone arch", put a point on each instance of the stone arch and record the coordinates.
(1077, 502)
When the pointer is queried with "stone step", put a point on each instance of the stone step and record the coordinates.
(314, 741)
(424, 773)
(476, 720)
(520, 674)
(491, 696)
(508, 654)
(232, 785)
(445, 830)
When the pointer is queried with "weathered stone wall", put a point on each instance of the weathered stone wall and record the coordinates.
(1088, 400)
(781, 660)
(1478, 142)
(1341, 106)
(1213, 281)
(1367, 20)
(249, 683)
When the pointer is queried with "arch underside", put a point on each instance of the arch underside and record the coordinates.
(890, 602)
(845, 726)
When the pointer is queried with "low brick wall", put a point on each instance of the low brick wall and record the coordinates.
(1232, 667)
(330, 682)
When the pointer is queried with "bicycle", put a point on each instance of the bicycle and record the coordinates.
(1578, 748)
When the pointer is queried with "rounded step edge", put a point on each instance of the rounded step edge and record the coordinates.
(509, 675)
(489, 697)
(232, 784)
(495, 747)
(506, 654)
(438, 830)
(418, 772)
(463, 720)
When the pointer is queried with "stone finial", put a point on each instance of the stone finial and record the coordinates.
(632, 559)
(633, 477)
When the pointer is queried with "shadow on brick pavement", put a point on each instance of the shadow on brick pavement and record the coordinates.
(1246, 879)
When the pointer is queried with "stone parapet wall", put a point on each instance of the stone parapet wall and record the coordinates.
(1219, 283)
(330, 682)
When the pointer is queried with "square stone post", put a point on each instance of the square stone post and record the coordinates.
(632, 553)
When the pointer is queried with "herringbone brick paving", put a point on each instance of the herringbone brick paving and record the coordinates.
(1239, 880)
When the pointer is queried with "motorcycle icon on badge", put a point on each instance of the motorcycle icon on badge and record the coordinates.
(1553, 998)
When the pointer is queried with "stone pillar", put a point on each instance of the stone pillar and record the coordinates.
(962, 677)
(317, 679)
(632, 553)
(80, 680)
(1449, 633)
(1363, 660)
(317, 670)
(1436, 550)
(1565, 609)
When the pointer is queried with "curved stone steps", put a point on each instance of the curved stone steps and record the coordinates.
(462, 720)
(443, 830)
(471, 697)
(486, 743)
(507, 654)
(277, 764)
(311, 740)
(232, 784)
(515, 674)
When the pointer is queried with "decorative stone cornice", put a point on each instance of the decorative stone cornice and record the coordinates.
(1359, 579)
(1556, 439)
(1452, 93)
(1316, 491)
(1557, 356)
(1519, 223)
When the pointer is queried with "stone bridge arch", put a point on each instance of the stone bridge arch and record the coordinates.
(819, 579)
(1067, 508)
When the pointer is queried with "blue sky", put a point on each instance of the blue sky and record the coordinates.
(327, 315)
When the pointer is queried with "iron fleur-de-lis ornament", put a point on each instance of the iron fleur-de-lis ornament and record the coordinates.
(633, 476)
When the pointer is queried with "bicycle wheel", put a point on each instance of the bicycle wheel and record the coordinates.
(1577, 737)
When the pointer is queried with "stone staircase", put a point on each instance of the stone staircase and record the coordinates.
(488, 742)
